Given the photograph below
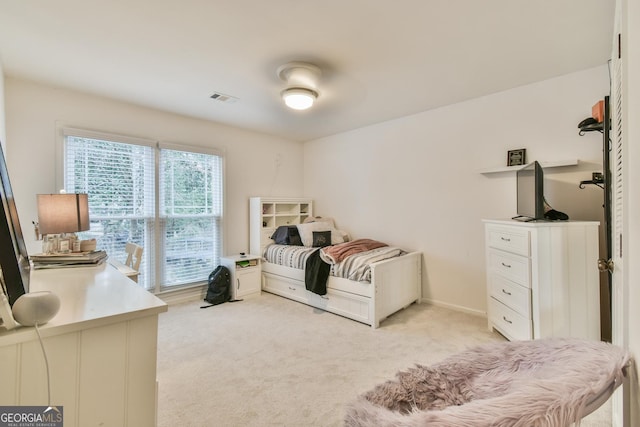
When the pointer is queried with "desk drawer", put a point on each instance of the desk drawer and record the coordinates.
(514, 267)
(508, 239)
(511, 294)
(513, 325)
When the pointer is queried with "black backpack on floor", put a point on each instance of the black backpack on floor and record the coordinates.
(219, 289)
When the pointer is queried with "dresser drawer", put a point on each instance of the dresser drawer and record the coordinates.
(508, 239)
(511, 294)
(513, 325)
(514, 267)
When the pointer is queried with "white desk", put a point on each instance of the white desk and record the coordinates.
(101, 346)
(124, 269)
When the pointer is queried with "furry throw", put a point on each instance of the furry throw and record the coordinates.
(548, 382)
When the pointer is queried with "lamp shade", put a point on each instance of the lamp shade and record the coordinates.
(63, 213)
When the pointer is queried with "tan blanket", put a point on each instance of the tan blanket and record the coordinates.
(336, 253)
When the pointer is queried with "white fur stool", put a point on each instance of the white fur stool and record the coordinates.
(549, 382)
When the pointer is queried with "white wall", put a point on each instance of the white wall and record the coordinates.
(33, 111)
(415, 181)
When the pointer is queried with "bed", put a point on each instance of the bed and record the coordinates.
(390, 282)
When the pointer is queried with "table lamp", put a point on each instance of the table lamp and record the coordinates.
(60, 216)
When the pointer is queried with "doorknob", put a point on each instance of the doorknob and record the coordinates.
(605, 265)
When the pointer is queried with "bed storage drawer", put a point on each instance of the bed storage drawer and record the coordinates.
(285, 287)
(343, 303)
(364, 289)
(346, 304)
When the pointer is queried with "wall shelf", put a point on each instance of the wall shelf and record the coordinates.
(544, 164)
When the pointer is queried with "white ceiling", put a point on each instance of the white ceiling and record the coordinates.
(381, 59)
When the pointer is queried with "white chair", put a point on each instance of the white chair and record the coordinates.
(131, 266)
(134, 256)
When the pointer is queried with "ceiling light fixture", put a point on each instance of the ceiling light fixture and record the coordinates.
(299, 98)
(302, 79)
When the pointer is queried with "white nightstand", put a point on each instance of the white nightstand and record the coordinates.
(246, 274)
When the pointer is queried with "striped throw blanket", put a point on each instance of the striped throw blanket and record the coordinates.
(336, 253)
(354, 267)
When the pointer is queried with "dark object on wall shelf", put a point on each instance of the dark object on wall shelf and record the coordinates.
(597, 179)
(590, 125)
(517, 157)
(586, 122)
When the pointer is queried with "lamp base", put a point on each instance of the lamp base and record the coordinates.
(36, 308)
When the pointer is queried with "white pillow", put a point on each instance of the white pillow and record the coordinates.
(306, 231)
(339, 236)
(326, 219)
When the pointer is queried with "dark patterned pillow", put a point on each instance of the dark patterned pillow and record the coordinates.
(287, 235)
(321, 239)
(294, 236)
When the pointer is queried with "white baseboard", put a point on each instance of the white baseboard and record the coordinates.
(454, 307)
(178, 296)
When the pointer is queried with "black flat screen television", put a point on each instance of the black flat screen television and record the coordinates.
(530, 183)
(14, 260)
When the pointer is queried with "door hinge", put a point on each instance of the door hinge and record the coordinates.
(605, 265)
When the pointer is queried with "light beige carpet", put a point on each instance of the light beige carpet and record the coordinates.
(269, 361)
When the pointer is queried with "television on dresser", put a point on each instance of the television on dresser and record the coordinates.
(530, 192)
(14, 260)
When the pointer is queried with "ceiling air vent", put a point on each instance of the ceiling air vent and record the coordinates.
(221, 97)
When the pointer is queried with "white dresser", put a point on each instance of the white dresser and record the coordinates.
(543, 279)
(101, 348)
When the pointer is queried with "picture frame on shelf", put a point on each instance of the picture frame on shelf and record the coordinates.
(517, 157)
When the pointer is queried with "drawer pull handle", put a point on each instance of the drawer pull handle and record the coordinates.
(505, 292)
(293, 289)
(507, 320)
(324, 297)
(506, 265)
(505, 239)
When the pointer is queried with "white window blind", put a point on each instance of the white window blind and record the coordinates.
(179, 223)
(190, 214)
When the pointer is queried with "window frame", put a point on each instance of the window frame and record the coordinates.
(157, 146)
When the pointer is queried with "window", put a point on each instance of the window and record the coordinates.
(165, 198)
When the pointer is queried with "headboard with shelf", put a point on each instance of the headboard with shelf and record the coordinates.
(266, 214)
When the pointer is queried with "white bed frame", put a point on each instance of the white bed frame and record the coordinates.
(395, 284)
